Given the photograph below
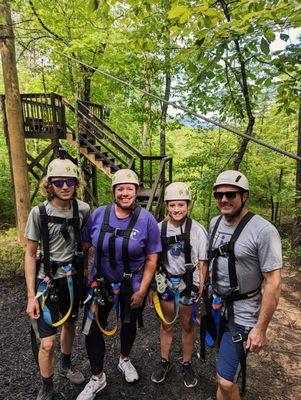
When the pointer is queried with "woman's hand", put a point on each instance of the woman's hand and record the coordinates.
(150, 298)
(137, 299)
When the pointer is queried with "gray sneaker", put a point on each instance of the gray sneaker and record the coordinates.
(71, 373)
(46, 393)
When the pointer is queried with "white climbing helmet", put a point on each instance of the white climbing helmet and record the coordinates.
(125, 176)
(177, 191)
(62, 167)
(233, 178)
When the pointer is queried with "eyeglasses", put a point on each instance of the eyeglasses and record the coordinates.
(59, 183)
(229, 195)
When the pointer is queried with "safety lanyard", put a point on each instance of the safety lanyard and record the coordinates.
(175, 281)
(42, 295)
(93, 312)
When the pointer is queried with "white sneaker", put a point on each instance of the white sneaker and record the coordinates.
(92, 388)
(128, 370)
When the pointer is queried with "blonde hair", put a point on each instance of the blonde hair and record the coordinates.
(47, 191)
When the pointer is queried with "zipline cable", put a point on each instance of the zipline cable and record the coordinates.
(186, 110)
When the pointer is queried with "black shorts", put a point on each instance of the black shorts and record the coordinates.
(60, 308)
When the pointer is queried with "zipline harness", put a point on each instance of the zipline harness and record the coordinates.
(234, 292)
(100, 292)
(174, 279)
(47, 288)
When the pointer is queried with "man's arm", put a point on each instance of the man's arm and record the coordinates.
(270, 299)
(149, 271)
(33, 309)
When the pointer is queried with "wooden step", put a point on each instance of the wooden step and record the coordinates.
(91, 150)
(90, 156)
(105, 162)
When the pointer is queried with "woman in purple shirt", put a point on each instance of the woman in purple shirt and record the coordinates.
(127, 241)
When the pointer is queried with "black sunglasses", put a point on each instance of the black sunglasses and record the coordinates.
(229, 195)
(59, 183)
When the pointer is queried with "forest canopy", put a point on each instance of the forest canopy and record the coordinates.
(215, 58)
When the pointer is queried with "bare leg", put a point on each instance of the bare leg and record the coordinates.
(67, 337)
(46, 356)
(188, 331)
(227, 390)
(166, 331)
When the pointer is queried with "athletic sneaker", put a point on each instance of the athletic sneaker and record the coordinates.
(92, 388)
(190, 379)
(160, 372)
(128, 370)
(74, 376)
(46, 393)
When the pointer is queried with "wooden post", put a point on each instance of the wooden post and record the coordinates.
(94, 181)
(14, 120)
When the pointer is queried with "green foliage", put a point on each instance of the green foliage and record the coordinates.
(139, 41)
(292, 255)
(6, 200)
(11, 255)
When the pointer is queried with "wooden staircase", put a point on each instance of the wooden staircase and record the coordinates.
(49, 116)
(109, 152)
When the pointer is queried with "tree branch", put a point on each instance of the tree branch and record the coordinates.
(43, 25)
(245, 91)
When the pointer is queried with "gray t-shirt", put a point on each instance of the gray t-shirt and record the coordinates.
(257, 250)
(58, 248)
(175, 253)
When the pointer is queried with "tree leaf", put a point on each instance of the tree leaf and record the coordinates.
(284, 36)
(177, 11)
(211, 12)
(92, 5)
(264, 46)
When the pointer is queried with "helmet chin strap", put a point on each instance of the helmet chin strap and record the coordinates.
(58, 197)
(127, 208)
(181, 220)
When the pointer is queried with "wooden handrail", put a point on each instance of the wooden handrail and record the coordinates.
(123, 141)
(156, 182)
(98, 129)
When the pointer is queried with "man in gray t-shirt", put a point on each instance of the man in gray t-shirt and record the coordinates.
(61, 217)
(237, 273)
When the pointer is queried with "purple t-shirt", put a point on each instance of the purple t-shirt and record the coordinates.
(145, 239)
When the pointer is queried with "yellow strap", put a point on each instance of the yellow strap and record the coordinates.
(159, 311)
(65, 317)
(109, 332)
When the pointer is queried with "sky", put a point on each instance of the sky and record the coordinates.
(279, 44)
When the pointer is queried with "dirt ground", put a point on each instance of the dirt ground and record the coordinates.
(274, 374)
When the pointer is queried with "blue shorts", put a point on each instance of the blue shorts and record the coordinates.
(228, 365)
(168, 295)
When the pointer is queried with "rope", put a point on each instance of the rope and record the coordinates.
(186, 110)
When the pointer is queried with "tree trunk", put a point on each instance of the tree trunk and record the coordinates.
(208, 216)
(243, 82)
(14, 121)
(146, 113)
(296, 237)
(163, 121)
(277, 208)
(272, 201)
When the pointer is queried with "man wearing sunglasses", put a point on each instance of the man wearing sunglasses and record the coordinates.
(244, 254)
(53, 269)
